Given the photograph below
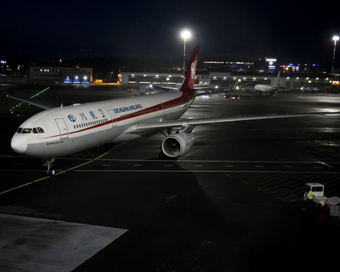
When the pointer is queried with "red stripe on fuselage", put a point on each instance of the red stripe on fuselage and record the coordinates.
(184, 98)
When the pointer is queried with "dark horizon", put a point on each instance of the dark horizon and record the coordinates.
(292, 31)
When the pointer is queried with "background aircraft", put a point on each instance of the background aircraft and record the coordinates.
(263, 89)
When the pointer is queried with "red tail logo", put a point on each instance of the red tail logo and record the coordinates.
(188, 84)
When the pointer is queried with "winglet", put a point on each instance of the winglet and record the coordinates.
(188, 83)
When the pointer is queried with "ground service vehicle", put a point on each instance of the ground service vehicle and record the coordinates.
(318, 191)
(332, 204)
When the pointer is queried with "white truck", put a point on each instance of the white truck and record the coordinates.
(317, 190)
(319, 199)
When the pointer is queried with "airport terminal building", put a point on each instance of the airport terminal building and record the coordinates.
(154, 78)
(227, 70)
(293, 80)
(221, 73)
(59, 75)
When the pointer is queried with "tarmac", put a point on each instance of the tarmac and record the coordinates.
(232, 203)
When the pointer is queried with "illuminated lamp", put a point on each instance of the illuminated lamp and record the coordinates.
(186, 34)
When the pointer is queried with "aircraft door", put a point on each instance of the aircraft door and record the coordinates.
(113, 118)
(62, 128)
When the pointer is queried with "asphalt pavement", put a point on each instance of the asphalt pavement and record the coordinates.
(232, 203)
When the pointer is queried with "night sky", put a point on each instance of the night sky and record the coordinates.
(292, 31)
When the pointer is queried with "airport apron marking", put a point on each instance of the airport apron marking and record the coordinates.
(62, 172)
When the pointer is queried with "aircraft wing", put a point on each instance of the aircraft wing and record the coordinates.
(210, 91)
(205, 121)
(167, 89)
(29, 100)
(199, 90)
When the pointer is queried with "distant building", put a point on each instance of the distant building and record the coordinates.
(287, 80)
(240, 63)
(228, 79)
(59, 75)
(3, 67)
(167, 79)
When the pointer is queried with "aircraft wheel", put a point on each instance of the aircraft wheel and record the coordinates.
(50, 172)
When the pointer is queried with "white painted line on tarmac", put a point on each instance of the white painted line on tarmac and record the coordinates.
(19, 170)
(201, 171)
(185, 161)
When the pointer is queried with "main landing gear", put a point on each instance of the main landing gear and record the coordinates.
(49, 164)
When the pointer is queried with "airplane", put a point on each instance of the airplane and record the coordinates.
(262, 89)
(63, 130)
(238, 91)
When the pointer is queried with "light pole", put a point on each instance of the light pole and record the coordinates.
(185, 35)
(335, 38)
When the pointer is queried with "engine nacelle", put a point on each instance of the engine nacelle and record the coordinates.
(175, 145)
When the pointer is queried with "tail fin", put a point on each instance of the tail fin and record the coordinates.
(277, 80)
(188, 83)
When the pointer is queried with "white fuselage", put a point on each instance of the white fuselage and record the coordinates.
(60, 131)
(268, 89)
(265, 88)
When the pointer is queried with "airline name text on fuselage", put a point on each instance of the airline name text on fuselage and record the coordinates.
(129, 108)
(72, 118)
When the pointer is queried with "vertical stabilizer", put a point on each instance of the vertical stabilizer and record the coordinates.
(188, 83)
(276, 80)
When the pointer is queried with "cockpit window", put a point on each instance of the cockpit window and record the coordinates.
(29, 130)
(38, 130)
(26, 130)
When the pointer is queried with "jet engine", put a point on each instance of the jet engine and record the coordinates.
(175, 145)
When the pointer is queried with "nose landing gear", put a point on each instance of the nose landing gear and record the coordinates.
(49, 164)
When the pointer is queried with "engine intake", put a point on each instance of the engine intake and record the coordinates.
(177, 144)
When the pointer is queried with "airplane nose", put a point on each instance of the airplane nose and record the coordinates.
(18, 144)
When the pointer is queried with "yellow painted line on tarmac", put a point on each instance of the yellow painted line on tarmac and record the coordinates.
(62, 172)
(23, 185)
